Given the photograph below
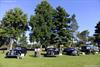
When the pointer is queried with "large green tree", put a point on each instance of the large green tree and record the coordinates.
(61, 33)
(97, 33)
(41, 22)
(14, 22)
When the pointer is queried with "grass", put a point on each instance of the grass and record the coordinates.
(59, 61)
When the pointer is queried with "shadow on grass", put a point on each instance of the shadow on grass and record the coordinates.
(43, 56)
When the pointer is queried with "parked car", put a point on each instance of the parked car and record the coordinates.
(17, 52)
(51, 52)
(71, 51)
(87, 49)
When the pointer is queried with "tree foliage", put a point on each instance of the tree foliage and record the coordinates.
(83, 36)
(41, 22)
(74, 25)
(13, 24)
(61, 32)
(97, 33)
(49, 25)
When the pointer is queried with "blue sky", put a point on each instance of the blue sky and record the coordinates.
(87, 11)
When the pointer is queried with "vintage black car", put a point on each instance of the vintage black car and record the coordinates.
(17, 52)
(71, 51)
(87, 49)
(51, 52)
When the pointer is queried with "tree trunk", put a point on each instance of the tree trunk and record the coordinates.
(11, 44)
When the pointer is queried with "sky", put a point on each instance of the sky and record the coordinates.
(87, 11)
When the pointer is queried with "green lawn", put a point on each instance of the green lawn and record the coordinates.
(59, 61)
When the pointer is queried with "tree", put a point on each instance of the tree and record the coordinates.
(74, 27)
(97, 33)
(14, 23)
(91, 39)
(41, 22)
(61, 27)
(22, 41)
(3, 39)
(83, 36)
(61, 33)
